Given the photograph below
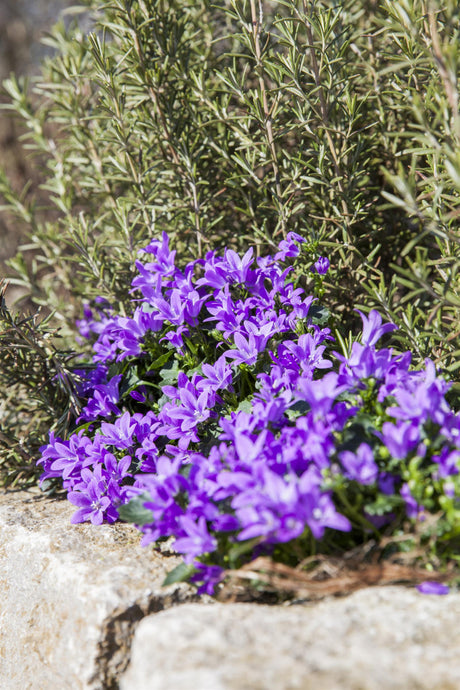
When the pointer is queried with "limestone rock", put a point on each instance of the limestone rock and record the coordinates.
(82, 608)
(70, 595)
(376, 639)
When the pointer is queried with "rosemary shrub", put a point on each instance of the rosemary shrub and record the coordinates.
(233, 123)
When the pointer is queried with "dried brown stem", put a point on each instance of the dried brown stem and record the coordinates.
(330, 577)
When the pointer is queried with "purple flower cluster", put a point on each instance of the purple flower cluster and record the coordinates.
(223, 405)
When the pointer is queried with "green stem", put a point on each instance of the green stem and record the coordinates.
(353, 513)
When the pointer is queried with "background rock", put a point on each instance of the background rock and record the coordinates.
(376, 639)
(70, 595)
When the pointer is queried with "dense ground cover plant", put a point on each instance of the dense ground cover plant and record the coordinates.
(217, 412)
(228, 125)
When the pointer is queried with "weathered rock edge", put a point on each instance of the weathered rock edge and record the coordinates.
(380, 638)
(71, 595)
(76, 605)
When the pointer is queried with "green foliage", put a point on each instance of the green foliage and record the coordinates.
(135, 512)
(181, 573)
(38, 393)
(238, 121)
(421, 128)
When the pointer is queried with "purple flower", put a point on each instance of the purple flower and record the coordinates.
(89, 323)
(122, 336)
(117, 469)
(360, 466)
(119, 434)
(192, 305)
(320, 394)
(180, 421)
(324, 514)
(139, 395)
(238, 268)
(400, 439)
(93, 500)
(270, 509)
(215, 272)
(239, 422)
(172, 309)
(218, 376)
(431, 587)
(209, 575)
(247, 349)
(413, 509)
(227, 314)
(67, 458)
(448, 462)
(386, 483)
(288, 248)
(363, 363)
(102, 402)
(305, 352)
(193, 409)
(425, 401)
(247, 449)
(372, 327)
(175, 338)
(260, 472)
(196, 539)
(321, 265)
(379, 521)
(164, 258)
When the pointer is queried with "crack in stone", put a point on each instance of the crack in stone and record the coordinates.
(114, 648)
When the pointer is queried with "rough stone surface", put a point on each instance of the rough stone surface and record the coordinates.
(70, 595)
(376, 639)
(82, 608)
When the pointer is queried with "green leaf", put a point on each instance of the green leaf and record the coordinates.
(241, 549)
(181, 573)
(169, 374)
(130, 380)
(319, 315)
(244, 406)
(82, 427)
(383, 504)
(161, 360)
(359, 431)
(135, 512)
(298, 409)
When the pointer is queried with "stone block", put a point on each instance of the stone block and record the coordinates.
(82, 608)
(382, 638)
(71, 595)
